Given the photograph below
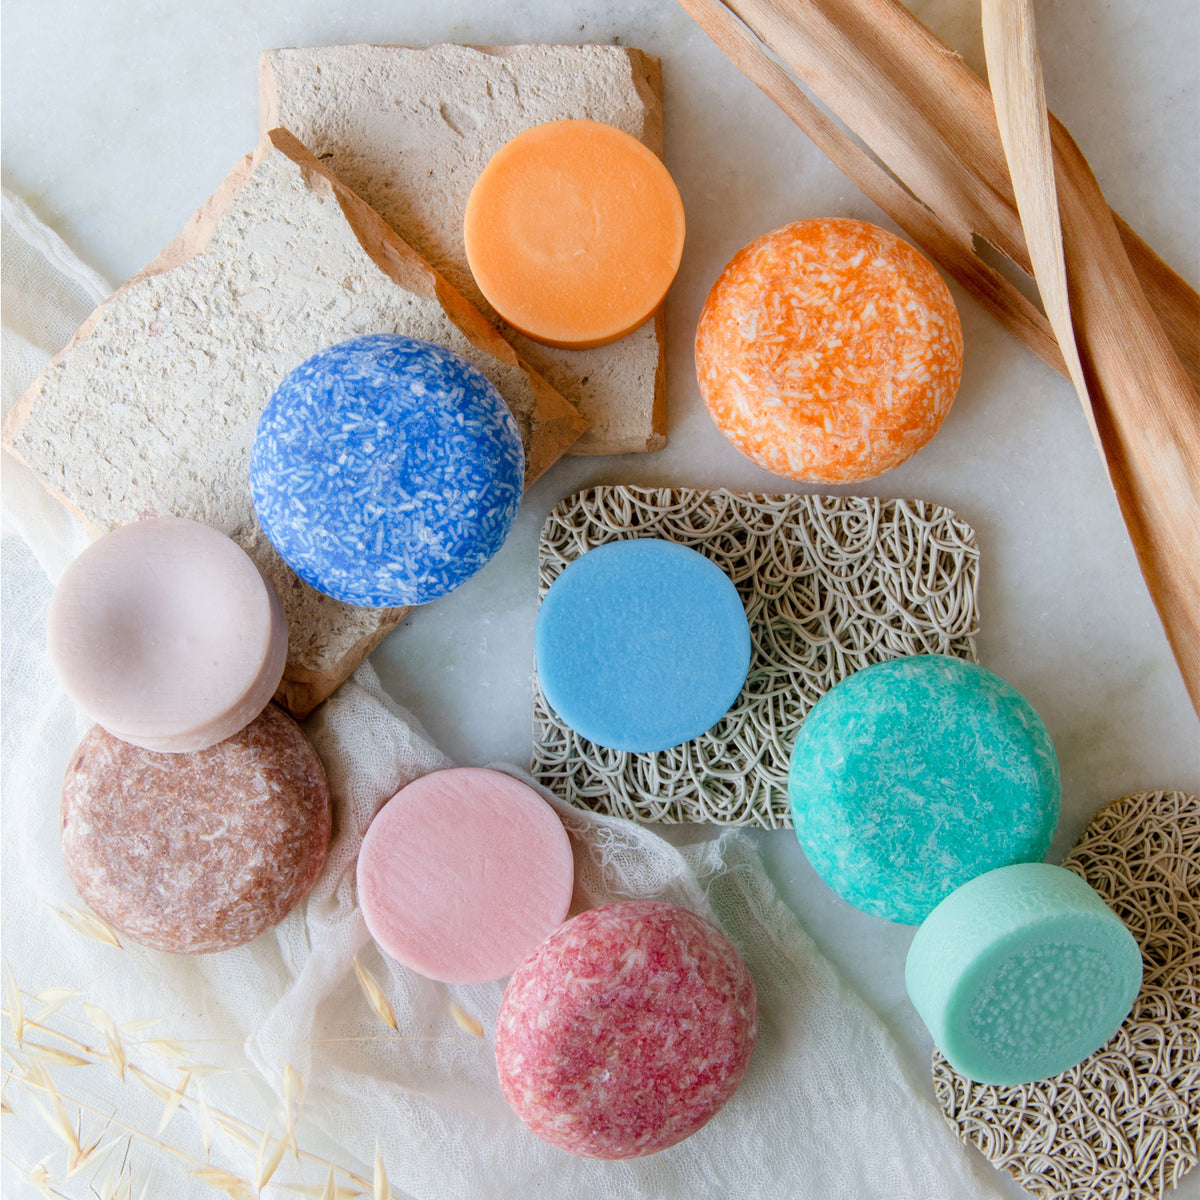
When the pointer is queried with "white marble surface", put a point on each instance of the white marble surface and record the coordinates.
(121, 118)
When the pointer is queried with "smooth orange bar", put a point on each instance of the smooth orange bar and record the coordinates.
(574, 232)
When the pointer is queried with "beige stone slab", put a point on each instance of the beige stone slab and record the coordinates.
(411, 128)
(152, 408)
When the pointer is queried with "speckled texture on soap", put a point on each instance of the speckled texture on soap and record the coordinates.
(1122, 1124)
(829, 351)
(386, 471)
(1046, 991)
(410, 128)
(192, 853)
(913, 776)
(626, 1030)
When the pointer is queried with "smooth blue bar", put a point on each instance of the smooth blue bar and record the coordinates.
(642, 645)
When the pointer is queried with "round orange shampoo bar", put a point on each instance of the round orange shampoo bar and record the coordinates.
(829, 351)
(573, 232)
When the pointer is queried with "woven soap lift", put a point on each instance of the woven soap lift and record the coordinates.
(1130, 325)
(830, 585)
(1122, 1124)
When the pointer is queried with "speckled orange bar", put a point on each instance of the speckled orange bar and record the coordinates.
(829, 351)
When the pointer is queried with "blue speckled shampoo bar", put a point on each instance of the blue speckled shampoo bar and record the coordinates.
(914, 775)
(1022, 973)
(641, 645)
(386, 471)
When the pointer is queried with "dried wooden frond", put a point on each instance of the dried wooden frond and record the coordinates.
(374, 994)
(466, 1022)
(89, 925)
(938, 165)
(107, 1028)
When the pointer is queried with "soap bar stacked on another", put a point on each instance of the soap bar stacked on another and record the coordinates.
(166, 634)
(196, 814)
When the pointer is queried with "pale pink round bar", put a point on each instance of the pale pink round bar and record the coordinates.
(462, 873)
(192, 853)
(165, 633)
(626, 1030)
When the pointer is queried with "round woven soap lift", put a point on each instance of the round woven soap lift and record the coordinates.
(1116, 1127)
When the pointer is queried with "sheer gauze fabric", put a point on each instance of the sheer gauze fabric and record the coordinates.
(275, 1044)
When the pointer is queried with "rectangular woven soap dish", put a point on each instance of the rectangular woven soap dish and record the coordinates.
(830, 584)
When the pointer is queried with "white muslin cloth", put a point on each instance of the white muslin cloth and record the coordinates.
(196, 1074)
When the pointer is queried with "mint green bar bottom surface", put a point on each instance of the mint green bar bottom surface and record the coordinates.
(1021, 973)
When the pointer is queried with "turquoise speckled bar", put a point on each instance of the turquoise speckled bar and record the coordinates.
(915, 775)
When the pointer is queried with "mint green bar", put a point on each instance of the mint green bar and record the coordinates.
(1021, 973)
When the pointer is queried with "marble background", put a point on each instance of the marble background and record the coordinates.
(121, 117)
